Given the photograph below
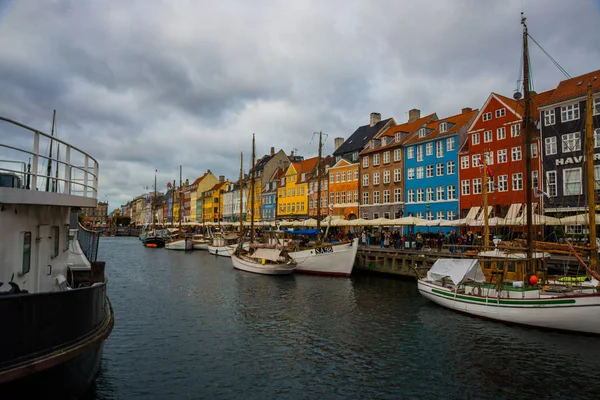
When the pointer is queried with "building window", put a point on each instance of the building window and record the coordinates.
(386, 196)
(443, 127)
(56, 239)
(534, 150)
(330, 180)
(465, 188)
(365, 197)
(337, 176)
(397, 195)
(429, 215)
(515, 154)
(571, 142)
(500, 112)
(429, 194)
(411, 174)
(355, 156)
(343, 197)
(596, 106)
(397, 175)
(366, 162)
(429, 171)
(429, 148)
(450, 144)
(365, 179)
(550, 145)
(503, 183)
(26, 264)
(411, 196)
(487, 116)
(419, 153)
(420, 193)
(337, 198)
(439, 193)
(386, 176)
(464, 162)
(534, 178)
(597, 138)
(376, 178)
(501, 133)
(476, 160)
(477, 186)
(386, 157)
(375, 159)
(572, 181)
(569, 113)
(489, 157)
(420, 215)
(397, 155)
(451, 215)
(549, 117)
(419, 172)
(376, 197)
(439, 169)
(331, 198)
(398, 136)
(502, 157)
(343, 176)
(490, 187)
(439, 215)
(450, 168)
(487, 136)
(517, 181)
(410, 152)
(451, 192)
(356, 196)
(422, 132)
(439, 148)
(515, 130)
(475, 138)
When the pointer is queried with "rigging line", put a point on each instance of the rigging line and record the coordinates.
(561, 69)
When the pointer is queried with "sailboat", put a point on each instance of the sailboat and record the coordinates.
(180, 242)
(260, 260)
(511, 286)
(152, 238)
(325, 258)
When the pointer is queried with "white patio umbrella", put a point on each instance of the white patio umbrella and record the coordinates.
(580, 219)
(536, 220)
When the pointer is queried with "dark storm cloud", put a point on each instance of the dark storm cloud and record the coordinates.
(145, 85)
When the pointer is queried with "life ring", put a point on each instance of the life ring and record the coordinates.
(477, 291)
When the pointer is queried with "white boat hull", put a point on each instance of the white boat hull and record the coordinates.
(251, 265)
(200, 245)
(180, 244)
(332, 259)
(577, 313)
(225, 251)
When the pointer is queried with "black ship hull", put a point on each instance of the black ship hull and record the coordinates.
(154, 241)
(52, 342)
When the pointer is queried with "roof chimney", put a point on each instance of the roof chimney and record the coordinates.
(414, 115)
(466, 110)
(292, 154)
(375, 118)
(338, 141)
(272, 151)
(221, 178)
(187, 182)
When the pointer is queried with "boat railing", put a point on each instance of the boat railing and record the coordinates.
(88, 241)
(26, 153)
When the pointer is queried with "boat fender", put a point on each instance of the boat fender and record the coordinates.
(477, 291)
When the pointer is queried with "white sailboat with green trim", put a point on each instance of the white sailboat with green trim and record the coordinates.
(512, 286)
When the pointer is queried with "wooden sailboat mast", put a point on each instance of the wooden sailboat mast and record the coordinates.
(241, 193)
(49, 169)
(486, 227)
(591, 182)
(180, 201)
(173, 204)
(527, 129)
(154, 202)
(319, 177)
(252, 194)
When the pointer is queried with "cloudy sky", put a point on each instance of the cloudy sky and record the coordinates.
(154, 84)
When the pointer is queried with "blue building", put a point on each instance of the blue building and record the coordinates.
(269, 196)
(431, 169)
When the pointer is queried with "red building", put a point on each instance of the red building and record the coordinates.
(497, 133)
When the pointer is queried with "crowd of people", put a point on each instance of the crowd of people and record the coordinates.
(420, 241)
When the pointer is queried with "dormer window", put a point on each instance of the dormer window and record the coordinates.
(383, 141)
(398, 137)
(443, 127)
(422, 132)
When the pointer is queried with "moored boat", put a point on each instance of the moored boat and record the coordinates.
(327, 258)
(264, 261)
(200, 242)
(53, 291)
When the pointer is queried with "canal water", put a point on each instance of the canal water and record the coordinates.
(189, 326)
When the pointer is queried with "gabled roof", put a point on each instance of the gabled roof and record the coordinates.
(407, 128)
(455, 122)
(573, 88)
(360, 137)
(306, 165)
(537, 99)
(342, 163)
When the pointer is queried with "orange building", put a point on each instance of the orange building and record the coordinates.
(343, 189)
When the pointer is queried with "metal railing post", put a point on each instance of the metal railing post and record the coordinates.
(68, 171)
(34, 167)
(85, 175)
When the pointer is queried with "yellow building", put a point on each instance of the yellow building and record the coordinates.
(212, 202)
(292, 195)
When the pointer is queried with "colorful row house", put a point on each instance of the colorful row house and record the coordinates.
(292, 192)
(314, 210)
(212, 200)
(263, 171)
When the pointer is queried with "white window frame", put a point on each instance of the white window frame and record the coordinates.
(569, 112)
(550, 145)
(375, 159)
(410, 152)
(477, 188)
(487, 116)
(451, 189)
(443, 127)
(429, 194)
(503, 183)
(439, 193)
(397, 175)
(565, 183)
(487, 136)
(386, 157)
(428, 148)
(502, 156)
(549, 117)
(551, 183)
(501, 112)
(429, 171)
(475, 138)
(386, 176)
(420, 195)
(571, 142)
(465, 187)
(397, 196)
(365, 199)
(450, 168)
(450, 144)
(464, 162)
(365, 162)
(515, 130)
(397, 154)
(501, 133)
(365, 181)
(516, 154)
(375, 178)
(439, 169)
(411, 196)
(410, 174)
(517, 181)
(420, 153)
(420, 172)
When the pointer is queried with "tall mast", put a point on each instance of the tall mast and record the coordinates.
(527, 135)
(180, 201)
(591, 183)
(49, 169)
(154, 201)
(252, 194)
(486, 227)
(173, 204)
(319, 188)
(241, 192)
